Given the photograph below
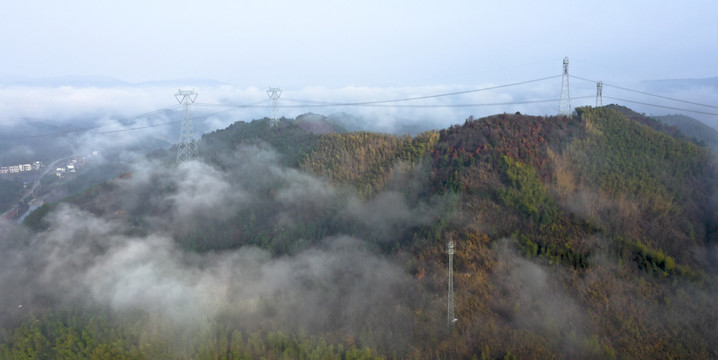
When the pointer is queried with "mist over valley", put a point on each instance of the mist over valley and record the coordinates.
(286, 237)
(358, 180)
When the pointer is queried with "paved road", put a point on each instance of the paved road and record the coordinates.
(48, 168)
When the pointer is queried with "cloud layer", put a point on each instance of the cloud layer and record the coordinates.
(100, 256)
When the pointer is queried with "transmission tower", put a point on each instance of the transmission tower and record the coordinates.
(599, 93)
(187, 148)
(564, 105)
(450, 318)
(274, 94)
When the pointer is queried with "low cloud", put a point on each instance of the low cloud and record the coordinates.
(531, 296)
(200, 189)
(111, 112)
(97, 256)
(86, 259)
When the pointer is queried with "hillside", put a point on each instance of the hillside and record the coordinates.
(692, 128)
(576, 237)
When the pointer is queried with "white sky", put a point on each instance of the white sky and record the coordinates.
(363, 43)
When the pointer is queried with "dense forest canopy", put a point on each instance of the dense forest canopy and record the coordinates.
(590, 236)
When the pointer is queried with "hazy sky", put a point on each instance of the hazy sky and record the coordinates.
(363, 43)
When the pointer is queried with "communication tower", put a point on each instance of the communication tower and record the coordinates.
(564, 105)
(599, 93)
(274, 94)
(187, 148)
(450, 317)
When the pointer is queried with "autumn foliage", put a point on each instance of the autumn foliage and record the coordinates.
(577, 237)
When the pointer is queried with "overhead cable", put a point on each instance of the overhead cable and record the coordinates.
(135, 117)
(662, 106)
(327, 104)
(646, 93)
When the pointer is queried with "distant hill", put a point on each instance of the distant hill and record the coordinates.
(590, 236)
(691, 128)
(317, 124)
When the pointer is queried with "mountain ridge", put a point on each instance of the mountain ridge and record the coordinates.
(574, 235)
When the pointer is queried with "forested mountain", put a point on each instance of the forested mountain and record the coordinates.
(592, 236)
(692, 128)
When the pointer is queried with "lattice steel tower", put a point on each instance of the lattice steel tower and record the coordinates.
(564, 105)
(450, 316)
(187, 148)
(274, 94)
(599, 93)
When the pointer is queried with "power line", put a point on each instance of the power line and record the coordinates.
(155, 125)
(242, 106)
(647, 93)
(445, 105)
(521, 102)
(379, 104)
(451, 93)
(582, 78)
(135, 117)
(136, 128)
(362, 103)
(662, 97)
(155, 112)
(214, 113)
(662, 106)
